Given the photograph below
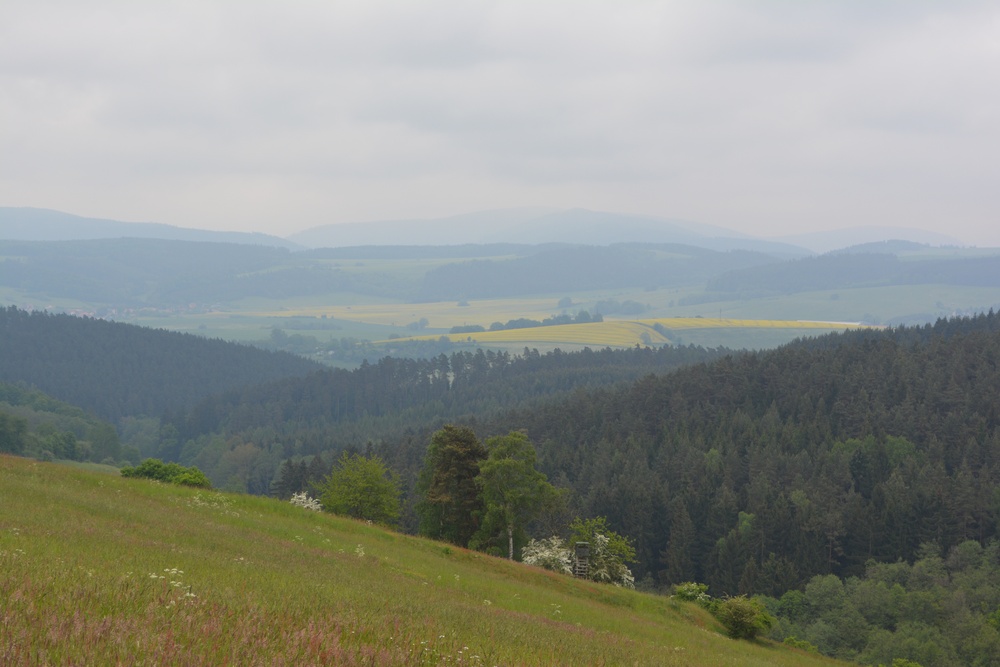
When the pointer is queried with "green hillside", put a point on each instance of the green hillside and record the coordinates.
(96, 568)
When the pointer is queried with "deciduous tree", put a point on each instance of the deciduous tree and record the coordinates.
(364, 488)
(513, 491)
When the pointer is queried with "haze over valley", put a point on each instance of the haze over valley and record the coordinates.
(500, 333)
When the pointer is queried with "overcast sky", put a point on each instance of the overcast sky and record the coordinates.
(763, 117)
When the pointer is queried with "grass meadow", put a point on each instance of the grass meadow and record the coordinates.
(96, 569)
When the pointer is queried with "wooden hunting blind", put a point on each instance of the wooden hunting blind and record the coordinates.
(581, 559)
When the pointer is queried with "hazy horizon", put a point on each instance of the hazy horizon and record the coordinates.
(765, 118)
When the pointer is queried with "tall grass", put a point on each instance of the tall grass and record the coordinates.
(95, 569)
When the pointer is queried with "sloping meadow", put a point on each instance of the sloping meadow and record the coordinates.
(96, 569)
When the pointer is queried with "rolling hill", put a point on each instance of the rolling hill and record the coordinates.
(39, 224)
(113, 369)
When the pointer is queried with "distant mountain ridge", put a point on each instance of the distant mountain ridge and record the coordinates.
(835, 239)
(539, 226)
(523, 226)
(39, 224)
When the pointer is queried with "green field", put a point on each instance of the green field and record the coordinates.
(96, 569)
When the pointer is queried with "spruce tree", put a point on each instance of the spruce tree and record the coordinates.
(450, 508)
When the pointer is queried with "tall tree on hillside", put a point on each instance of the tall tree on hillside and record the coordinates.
(290, 479)
(513, 491)
(450, 508)
(315, 473)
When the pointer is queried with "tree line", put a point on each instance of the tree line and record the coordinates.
(481, 495)
(36, 425)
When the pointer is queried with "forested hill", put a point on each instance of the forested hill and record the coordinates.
(337, 408)
(757, 471)
(575, 268)
(847, 269)
(115, 369)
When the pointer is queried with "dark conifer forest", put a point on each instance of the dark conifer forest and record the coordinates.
(757, 471)
(115, 370)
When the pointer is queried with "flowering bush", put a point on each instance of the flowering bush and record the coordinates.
(609, 551)
(690, 591)
(549, 553)
(303, 500)
(607, 566)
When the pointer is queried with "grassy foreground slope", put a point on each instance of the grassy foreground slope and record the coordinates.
(100, 569)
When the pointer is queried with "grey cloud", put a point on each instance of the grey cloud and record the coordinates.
(760, 116)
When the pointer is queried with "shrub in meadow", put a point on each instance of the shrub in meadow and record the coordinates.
(171, 473)
(690, 591)
(802, 644)
(743, 617)
(304, 500)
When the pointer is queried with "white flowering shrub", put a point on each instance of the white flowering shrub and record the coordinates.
(690, 591)
(607, 566)
(303, 500)
(550, 553)
(609, 551)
